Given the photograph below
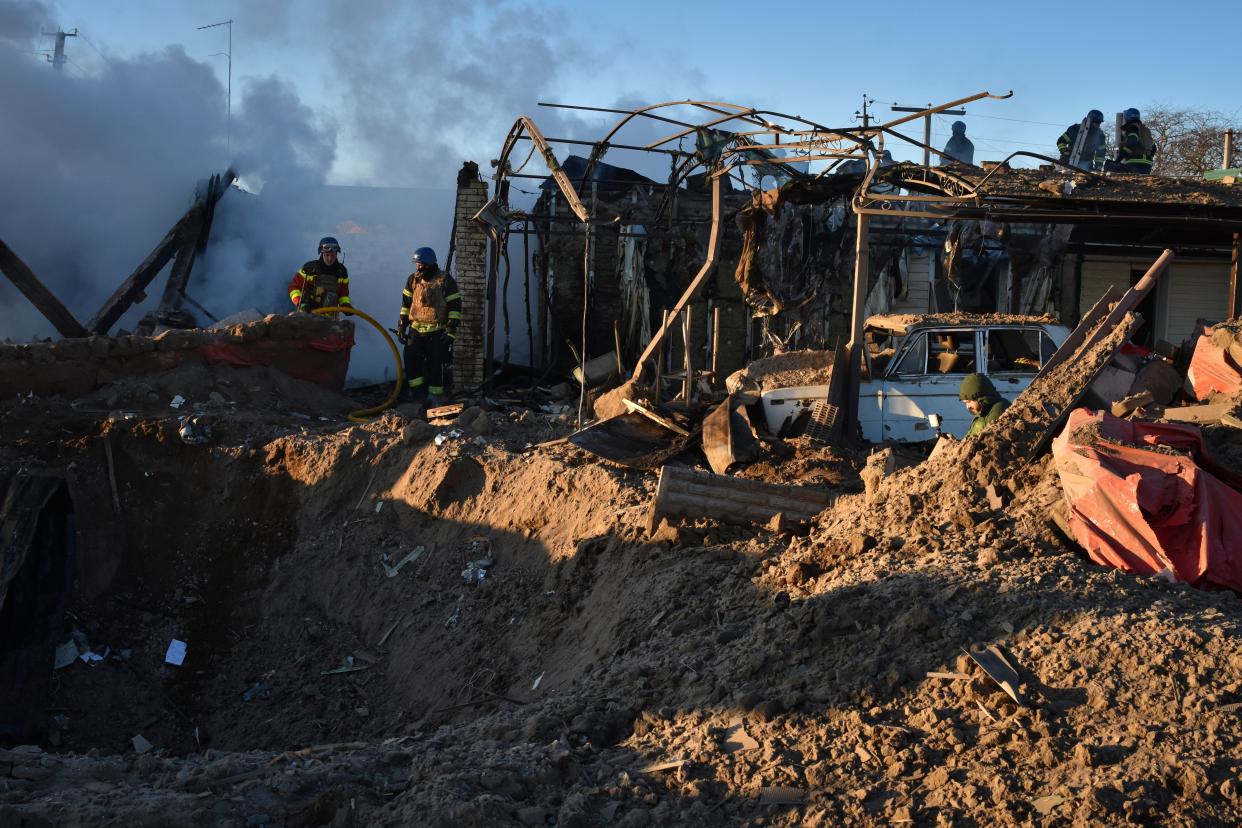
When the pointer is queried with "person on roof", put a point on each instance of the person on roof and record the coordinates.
(982, 400)
(1094, 146)
(322, 282)
(959, 149)
(1137, 151)
(430, 314)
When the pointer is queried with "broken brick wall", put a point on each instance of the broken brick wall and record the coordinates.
(470, 271)
(302, 346)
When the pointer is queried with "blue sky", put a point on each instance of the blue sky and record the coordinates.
(817, 60)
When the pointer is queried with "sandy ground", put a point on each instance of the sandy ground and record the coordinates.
(596, 676)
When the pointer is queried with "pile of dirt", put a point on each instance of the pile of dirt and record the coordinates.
(789, 370)
(544, 661)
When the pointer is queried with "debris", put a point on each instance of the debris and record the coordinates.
(635, 408)
(736, 739)
(728, 436)
(379, 505)
(141, 745)
(66, 654)
(176, 653)
(194, 430)
(630, 440)
(538, 680)
(1046, 804)
(689, 494)
(476, 571)
(444, 436)
(258, 691)
(659, 767)
(453, 619)
(998, 669)
(177, 401)
(351, 664)
(91, 658)
(445, 411)
(391, 570)
(940, 675)
(781, 795)
(1126, 405)
(386, 635)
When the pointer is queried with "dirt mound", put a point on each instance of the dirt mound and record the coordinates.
(789, 370)
(543, 660)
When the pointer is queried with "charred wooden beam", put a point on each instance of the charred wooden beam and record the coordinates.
(44, 300)
(196, 241)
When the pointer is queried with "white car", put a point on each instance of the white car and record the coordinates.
(915, 365)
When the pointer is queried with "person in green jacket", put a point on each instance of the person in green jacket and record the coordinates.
(981, 399)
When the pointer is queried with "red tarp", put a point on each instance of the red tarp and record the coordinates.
(1149, 511)
(1211, 370)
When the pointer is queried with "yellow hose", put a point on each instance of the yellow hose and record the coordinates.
(361, 415)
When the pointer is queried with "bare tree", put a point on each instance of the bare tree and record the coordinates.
(1190, 141)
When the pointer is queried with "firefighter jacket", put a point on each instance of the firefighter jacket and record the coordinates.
(1093, 147)
(318, 285)
(431, 303)
(1138, 149)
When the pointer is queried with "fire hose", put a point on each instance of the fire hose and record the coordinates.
(361, 415)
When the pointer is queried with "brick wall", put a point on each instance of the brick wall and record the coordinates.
(470, 270)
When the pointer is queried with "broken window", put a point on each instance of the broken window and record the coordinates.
(1017, 351)
(951, 352)
(914, 360)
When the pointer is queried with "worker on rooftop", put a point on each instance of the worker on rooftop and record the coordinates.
(982, 400)
(959, 148)
(322, 282)
(1137, 150)
(1093, 150)
(430, 314)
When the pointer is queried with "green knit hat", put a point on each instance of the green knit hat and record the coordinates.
(977, 387)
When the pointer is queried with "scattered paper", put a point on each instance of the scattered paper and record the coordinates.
(538, 679)
(176, 653)
(141, 745)
(378, 506)
(177, 402)
(66, 654)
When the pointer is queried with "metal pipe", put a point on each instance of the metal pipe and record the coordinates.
(716, 346)
(659, 363)
(687, 393)
(932, 110)
(579, 142)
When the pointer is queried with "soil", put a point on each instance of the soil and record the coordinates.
(596, 675)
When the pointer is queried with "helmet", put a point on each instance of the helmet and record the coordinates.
(959, 127)
(329, 245)
(424, 255)
(1095, 116)
(1131, 115)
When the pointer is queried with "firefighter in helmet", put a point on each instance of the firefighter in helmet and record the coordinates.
(430, 314)
(322, 282)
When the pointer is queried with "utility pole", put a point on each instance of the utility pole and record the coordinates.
(58, 56)
(927, 126)
(229, 116)
(862, 114)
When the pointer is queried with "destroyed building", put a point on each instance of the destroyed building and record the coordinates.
(228, 596)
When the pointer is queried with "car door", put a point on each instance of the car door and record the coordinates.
(925, 380)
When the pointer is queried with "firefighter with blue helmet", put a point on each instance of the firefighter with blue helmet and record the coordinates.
(1094, 145)
(1136, 151)
(322, 282)
(430, 314)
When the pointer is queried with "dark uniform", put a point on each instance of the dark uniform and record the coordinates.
(979, 388)
(1094, 147)
(1138, 149)
(318, 285)
(431, 307)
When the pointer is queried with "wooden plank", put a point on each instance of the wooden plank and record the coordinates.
(44, 300)
(1209, 413)
(1070, 346)
(693, 494)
